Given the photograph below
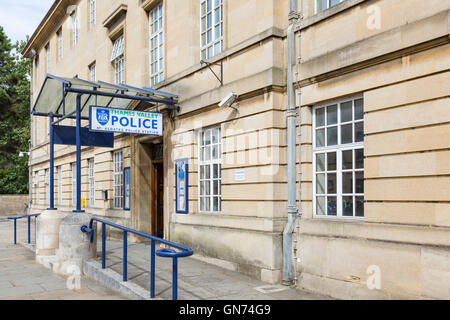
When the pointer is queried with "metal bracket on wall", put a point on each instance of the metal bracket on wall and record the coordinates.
(215, 64)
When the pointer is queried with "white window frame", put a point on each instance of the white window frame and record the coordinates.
(210, 163)
(60, 45)
(118, 179)
(75, 30)
(47, 186)
(339, 149)
(214, 46)
(36, 177)
(328, 5)
(59, 170)
(118, 59)
(93, 72)
(74, 183)
(156, 54)
(91, 182)
(92, 13)
(47, 57)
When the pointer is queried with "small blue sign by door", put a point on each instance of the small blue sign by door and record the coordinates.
(182, 185)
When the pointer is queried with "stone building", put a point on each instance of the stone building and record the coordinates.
(373, 134)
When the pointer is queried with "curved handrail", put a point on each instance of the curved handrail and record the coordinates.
(167, 253)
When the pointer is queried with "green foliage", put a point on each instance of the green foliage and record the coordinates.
(14, 116)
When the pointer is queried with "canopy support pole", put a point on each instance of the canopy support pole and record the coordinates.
(52, 164)
(78, 139)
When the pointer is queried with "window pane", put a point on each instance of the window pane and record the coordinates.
(347, 159)
(332, 136)
(331, 206)
(347, 182)
(359, 112)
(346, 111)
(331, 158)
(332, 115)
(320, 162)
(320, 138)
(359, 132)
(321, 5)
(207, 204)
(347, 206)
(215, 187)
(359, 182)
(359, 159)
(331, 183)
(359, 206)
(346, 133)
(320, 183)
(320, 206)
(207, 153)
(216, 204)
(334, 2)
(320, 117)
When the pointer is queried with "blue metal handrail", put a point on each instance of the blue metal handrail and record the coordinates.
(29, 222)
(166, 253)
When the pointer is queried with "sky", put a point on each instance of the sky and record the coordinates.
(20, 18)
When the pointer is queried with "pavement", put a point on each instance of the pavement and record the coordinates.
(21, 278)
(197, 280)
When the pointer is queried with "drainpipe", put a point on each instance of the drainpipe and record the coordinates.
(291, 122)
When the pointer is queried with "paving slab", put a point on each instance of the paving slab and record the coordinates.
(21, 278)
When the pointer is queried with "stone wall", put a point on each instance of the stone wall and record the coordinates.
(11, 205)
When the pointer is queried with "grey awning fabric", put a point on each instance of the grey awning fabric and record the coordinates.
(51, 96)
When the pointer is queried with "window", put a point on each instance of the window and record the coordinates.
(74, 184)
(36, 183)
(60, 45)
(38, 130)
(156, 45)
(37, 70)
(75, 27)
(92, 7)
(91, 182)
(59, 184)
(210, 166)
(47, 186)
(47, 55)
(211, 28)
(322, 5)
(339, 159)
(118, 179)
(92, 72)
(117, 57)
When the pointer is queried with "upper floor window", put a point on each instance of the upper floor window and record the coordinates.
(156, 24)
(210, 167)
(47, 55)
(322, 5)
(92, 72)
(37, 70)
(339, 159)
(117, 58)
(92, 11)
(211, 28)
(60, 44)
(75, 27)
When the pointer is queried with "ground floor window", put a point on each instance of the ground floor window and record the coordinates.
(74, 184)
(91, 182)
(118, 179)
(210, 167)
(338, 160)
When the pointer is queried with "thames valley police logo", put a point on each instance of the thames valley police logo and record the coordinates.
(102, 116)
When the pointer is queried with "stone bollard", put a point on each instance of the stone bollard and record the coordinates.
(74, 245)
(47, 232)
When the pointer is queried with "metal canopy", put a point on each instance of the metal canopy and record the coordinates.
(70, 98)
(58, 96)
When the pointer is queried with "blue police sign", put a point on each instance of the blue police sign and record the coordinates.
(126, 121)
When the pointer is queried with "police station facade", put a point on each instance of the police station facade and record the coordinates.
(372, 175)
